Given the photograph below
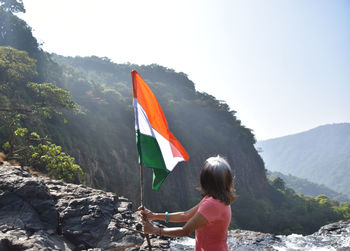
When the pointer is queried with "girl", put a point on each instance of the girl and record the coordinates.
(211, 217)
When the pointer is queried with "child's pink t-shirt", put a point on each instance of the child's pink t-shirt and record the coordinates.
(213, 235)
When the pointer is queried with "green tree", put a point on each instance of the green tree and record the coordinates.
(22, 99)
(16, 66)
(45, 157)
(323, 200)
(12, 5)
(278, 183)
(344, 209)
(15, 32)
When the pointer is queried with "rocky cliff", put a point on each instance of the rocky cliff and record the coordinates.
(320, 155)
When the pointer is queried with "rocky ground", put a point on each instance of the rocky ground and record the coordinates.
(334, 237)
(37, 213)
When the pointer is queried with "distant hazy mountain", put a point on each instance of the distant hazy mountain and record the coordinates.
(321, 155)
(305, 187)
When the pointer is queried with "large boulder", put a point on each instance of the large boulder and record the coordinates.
(37, 213)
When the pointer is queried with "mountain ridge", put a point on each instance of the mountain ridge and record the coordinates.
(320, 155)
(304, 131)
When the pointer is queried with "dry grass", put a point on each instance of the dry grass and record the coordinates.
(15, 163)
(2, 156)
(2, 159)
(8, 163)
(34, 172)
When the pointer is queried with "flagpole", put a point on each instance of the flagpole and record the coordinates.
(142, 203)
(140, 158)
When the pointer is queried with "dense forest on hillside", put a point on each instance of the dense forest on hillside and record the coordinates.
(305, 187)
(83, 108)
(321, 155)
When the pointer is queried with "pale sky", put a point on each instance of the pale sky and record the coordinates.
(284, 66)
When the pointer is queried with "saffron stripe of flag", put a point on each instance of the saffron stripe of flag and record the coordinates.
(157, 147)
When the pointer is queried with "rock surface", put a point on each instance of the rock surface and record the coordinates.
(37, 213)
(335, 236)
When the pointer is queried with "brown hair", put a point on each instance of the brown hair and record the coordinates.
(216, 180)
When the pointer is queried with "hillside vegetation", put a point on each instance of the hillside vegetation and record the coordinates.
(79, 111)
(321, 155)
(305, 187)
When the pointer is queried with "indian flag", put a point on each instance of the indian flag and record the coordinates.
(156, 145)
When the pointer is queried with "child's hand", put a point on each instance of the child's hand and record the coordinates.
(146, 214)
(148, 228)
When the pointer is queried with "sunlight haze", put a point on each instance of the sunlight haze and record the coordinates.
(282, 65)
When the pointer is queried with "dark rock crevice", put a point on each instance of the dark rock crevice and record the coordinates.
(5, 244)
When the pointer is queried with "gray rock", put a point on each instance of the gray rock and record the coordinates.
(335, 236)
(37, 213)
(251, 241)
(25, 201)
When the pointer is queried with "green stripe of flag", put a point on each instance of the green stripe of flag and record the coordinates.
(151, 156)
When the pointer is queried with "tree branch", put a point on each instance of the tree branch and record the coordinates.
(15, 110)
